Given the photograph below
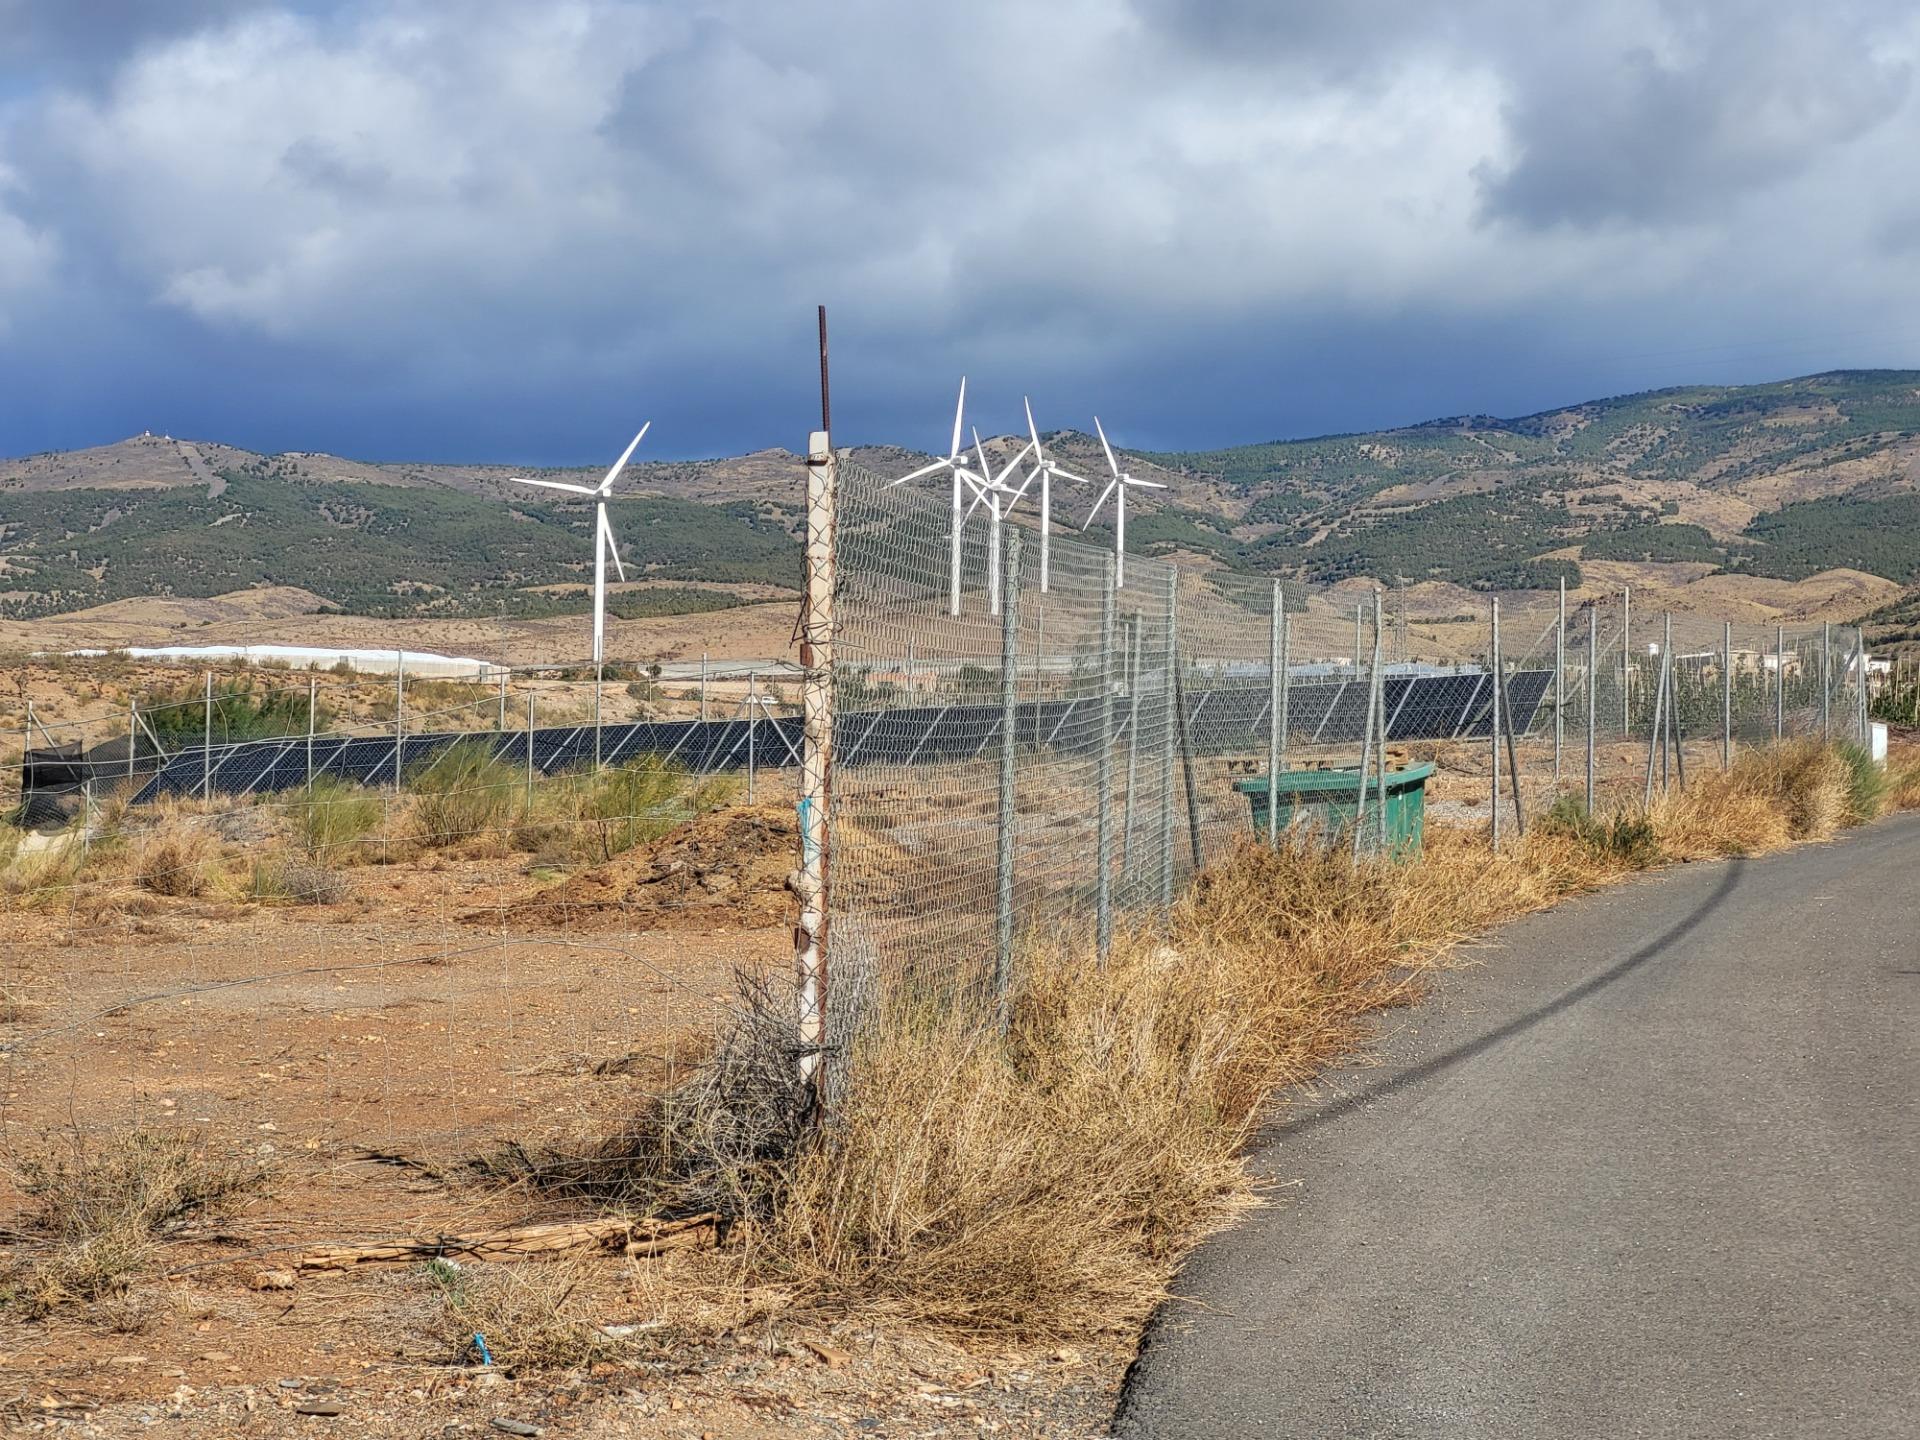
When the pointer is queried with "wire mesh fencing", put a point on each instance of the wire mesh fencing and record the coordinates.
(1045, 744)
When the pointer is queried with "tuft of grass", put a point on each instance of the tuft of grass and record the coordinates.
(275, 879)
(334, 817)
(592, 818)
(1625, 837)
(463, 792)
(100, 1214)
(1867, 783)
(177, 857)
(530, 1313)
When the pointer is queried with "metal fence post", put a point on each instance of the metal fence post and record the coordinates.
(1493, 753)
(1726, 698)
(703, 687)
(1779, 682)
(313, 689)
(816, 768)
(1004, 827)
(399, 711)
(1593, 674)
(1626, 661)
(753, 710)
(1826, 679)
(133, 732)
(1358, 640)
(1103, 841)
(1366, 746)
(1559, 682)
(1654, 731)
(206, 744)
(1135, 631)
(1274, 660)
(528, 809)
(500, 716)
(1171, 738)
(1380, 721)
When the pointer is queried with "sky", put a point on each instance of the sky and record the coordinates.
(493, 230)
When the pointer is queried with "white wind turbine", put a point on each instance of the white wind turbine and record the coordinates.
(603, 545)
(1000, 499)
(1117, 487)
(1045, 470)
(961, 475)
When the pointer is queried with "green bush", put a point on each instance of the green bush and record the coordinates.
(464, 790)
(333, 817)
(1866, 781)
(1627, 838)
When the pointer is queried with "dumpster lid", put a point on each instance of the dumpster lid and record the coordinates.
(1346, 779)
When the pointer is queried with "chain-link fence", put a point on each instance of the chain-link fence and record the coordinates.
(1059, 749)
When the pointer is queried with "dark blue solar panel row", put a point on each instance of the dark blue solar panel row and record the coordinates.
(1418, 707)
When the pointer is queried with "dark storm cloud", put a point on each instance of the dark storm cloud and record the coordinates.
(410, 226)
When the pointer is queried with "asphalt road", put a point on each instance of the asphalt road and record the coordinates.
(1650, 1169)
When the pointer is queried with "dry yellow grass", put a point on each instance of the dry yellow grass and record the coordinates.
(1048, 1181)
(177, 857)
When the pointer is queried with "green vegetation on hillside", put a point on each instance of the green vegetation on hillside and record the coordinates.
(371, 549)
(1880, 536)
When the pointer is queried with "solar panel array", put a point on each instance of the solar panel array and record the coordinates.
(1419, 707)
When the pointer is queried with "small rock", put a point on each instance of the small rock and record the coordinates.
(830, 1357)
(319, 1407)
(128, 1360)
(216, 1356)
(513, 1427)
(272, 1280)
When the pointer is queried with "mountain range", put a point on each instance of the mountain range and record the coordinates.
(1739, 484)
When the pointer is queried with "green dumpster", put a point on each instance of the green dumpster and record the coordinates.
(1325, 800)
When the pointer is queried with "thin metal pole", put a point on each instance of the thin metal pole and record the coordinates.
(599, 668)
(1626, 660)
(500, 717)
(1826, 679)
(1507, 727)
(1493, 753)
(1275, 624)
(1593, 674)
(703, 686)
(1559, 683)
(1726, 698)
(1357, 640)
(1779, 682)
(753, 710)
(133, 732)
(313, 686)
(206, 744)
(1039, 657)
(528, 809)
(1666, 735)
(1366, 749)
(1172, 736)
(1004, 836)
(1103, 839)
(1380, 721)
(1286, 678)
(399, 711)
(1653, 732)
(1136, 630)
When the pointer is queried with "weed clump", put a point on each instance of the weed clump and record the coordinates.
(100, 1214)
(333, 817)
(464, 791)
(177, 858)
(1624, 838)
(530, 1314)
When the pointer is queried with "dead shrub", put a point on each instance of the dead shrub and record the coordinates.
(294, 882)
(99, 1213)
(531, 1315)
(176, 858)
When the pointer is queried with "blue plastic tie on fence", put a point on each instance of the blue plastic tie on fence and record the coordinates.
(480, 1344)
(805, 808)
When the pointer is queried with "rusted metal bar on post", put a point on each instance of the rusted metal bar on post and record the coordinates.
(811, 880)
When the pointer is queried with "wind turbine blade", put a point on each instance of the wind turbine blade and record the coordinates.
(606, 530)
(621, 463)
(923, 470)
(1069, 475)
(1146, 484)
(1095, 511)
(953, 451)
(1000, 480)
(1112, 464)
(1033, 432)
(985, 469)
(553, 485)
